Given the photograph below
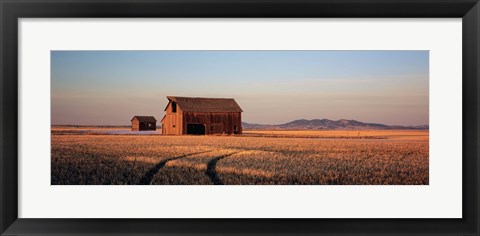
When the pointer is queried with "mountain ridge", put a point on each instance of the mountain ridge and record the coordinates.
(326, 124)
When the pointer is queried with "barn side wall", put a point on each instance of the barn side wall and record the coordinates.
(215, 122)
(137, 126)
(144, 126)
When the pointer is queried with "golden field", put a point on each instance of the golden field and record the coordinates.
(364, 157)
(350, 134)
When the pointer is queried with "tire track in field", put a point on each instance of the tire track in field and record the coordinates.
(148, 177)
(211, 168)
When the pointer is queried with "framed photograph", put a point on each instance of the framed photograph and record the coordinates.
(251, 118)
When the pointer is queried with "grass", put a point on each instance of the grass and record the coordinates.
(258, 157)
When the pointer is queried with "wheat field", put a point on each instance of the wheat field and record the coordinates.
(255, 158)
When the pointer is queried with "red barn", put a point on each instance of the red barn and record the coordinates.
(192, 115)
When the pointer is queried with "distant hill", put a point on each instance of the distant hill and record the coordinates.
(326, 124)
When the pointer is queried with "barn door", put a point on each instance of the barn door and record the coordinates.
(196, 129)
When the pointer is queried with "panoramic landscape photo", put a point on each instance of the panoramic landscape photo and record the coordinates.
(239, 117)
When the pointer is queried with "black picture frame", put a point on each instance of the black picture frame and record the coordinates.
(12, 10)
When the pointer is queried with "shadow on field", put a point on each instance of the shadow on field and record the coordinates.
(212, 173)
(147, 178)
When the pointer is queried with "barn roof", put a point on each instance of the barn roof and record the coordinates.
(206, 104)
(147, 119)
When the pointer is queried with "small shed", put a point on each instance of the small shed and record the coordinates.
(144, 123)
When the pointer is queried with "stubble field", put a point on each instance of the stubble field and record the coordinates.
(255, 158)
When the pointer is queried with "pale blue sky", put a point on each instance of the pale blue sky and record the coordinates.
(272, 87)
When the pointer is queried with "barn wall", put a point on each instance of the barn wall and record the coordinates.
(215, 122)
(135, 125)
(144, 126)
(172, 119)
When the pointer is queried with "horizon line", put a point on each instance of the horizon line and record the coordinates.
(253, 123)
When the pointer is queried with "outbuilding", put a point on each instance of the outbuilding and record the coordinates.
(144, 123)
